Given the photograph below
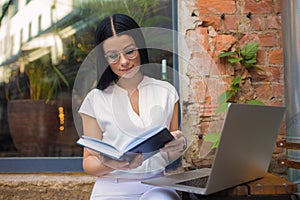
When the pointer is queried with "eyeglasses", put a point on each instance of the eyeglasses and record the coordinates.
(114, 56)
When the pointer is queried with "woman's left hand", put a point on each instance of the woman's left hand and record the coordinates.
(178, 144)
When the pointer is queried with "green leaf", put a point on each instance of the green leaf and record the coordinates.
(253, 61)
(215, 145)
(222, 108)
(258, 68)
(223, 98)
(61, 76)
(255, 102)
(214, 138)
(225, 54)
(249, 50)
(235, 60)
(236, 80)
(235, 88)
(250, 63)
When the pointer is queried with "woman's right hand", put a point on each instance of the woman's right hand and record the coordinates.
(122, 165)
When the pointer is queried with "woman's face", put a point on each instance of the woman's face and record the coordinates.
(122, 55)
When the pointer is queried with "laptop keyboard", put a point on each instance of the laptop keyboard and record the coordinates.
(197, 182)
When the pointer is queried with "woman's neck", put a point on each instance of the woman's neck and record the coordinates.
(130, 84)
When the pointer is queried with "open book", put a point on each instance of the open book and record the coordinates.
(148, 143)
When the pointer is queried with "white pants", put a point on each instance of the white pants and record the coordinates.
(120, 189)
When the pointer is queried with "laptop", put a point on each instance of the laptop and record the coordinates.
(247, 142)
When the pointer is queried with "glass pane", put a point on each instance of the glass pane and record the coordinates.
(40, 57)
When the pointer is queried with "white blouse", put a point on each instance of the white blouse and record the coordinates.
(120, 123)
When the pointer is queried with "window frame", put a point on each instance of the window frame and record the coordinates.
(74, 164)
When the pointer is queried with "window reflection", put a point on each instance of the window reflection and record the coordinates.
(41, 36)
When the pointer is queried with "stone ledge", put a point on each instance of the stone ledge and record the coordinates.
(54, 186)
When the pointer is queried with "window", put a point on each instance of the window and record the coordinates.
(21, 38)
(11, 43)
(40, 23)
(56, 151)
(29, 31)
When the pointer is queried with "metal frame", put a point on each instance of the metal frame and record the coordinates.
(40, 164)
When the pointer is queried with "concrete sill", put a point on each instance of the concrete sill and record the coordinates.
(54, 186)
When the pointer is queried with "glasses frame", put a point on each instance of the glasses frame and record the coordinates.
(124, 51)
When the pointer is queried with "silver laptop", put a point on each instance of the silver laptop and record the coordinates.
(246, 145)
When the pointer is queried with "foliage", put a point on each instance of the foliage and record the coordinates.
(78, 49)
(245, 57)
(143, 11)
(214, 138)
(44, 80)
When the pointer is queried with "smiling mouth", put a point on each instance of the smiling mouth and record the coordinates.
(127, 69)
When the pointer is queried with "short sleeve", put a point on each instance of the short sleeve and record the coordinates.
(173, 94)
(87, 105)
(176, 96)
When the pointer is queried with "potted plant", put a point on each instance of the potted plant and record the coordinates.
(34, 122)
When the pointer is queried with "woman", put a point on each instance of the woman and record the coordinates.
(125, 104)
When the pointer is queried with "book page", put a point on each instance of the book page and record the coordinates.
(100, 146)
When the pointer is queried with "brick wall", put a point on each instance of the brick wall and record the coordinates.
(213, 26)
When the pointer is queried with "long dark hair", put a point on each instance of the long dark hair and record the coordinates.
(121, 24)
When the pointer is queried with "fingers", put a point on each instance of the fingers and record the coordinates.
(172, 147)
(137, 161)
(177, 134)
(122, 165)
(114, 164)
(179, 143)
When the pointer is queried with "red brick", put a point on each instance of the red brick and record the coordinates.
(268, 40)
(280, 39)
(248, 38)
(202, 64)
(267, 74)
(278, 6)
(259, 6)
(223, 42)
(263, 91)
(208, 110)
(275, 103)
(274, 22)
(216, 87)
(276, 56)
(230, 22)
(200, 92)
(264, 27)
(261, 57)
(278, 90)
(202, 31)
(216, 6)
(214, 21)
(224, 67)
(197, 93)
(257, 23)
(197, 39)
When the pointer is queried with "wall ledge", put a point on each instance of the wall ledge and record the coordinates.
(54, 186)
